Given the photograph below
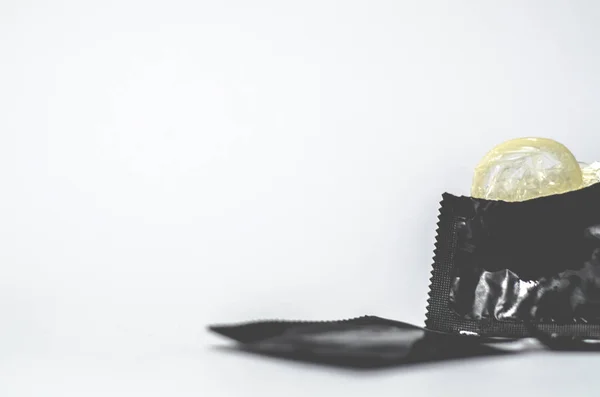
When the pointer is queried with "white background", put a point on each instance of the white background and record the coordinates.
(165, 165)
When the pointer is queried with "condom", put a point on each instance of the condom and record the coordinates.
(527, 168)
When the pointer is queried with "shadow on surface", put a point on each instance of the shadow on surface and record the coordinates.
(368, 363)
(367, 342)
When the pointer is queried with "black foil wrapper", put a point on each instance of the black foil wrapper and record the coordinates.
(367, 342)
(505, 269)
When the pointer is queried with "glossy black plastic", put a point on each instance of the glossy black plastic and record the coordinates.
(365, 342)
(536, 261)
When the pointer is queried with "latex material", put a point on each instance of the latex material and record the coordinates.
(526, 168)
(590, 173)
(365, 342)
(501, 265)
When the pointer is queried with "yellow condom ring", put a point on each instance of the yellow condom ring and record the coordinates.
(526, 168)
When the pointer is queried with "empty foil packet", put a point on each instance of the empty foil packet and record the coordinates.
(364, 342)
(505, 269)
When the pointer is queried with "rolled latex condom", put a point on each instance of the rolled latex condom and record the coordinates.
(527, 168)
